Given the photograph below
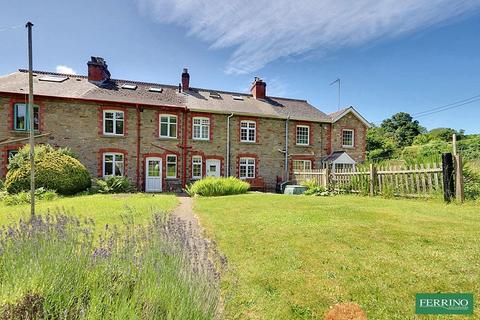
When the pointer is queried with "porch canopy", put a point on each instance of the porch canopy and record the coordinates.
(338, 160)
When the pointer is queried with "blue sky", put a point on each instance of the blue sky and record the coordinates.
(391, 56)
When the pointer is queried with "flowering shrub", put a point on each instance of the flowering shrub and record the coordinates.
(54, 267)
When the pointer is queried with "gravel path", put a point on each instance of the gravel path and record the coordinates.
(202, 251)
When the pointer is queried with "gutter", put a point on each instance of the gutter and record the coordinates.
(227, 164)
(138, 145)
(184, 162)
(286, 178)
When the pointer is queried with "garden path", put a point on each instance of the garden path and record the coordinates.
(202, 251)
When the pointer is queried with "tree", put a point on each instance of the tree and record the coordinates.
(379, 146)
(402, 129)
(445, 134)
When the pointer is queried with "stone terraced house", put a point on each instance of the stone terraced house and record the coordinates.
(163, 137)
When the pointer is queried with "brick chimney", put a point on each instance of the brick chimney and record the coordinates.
(259, 88)
(185, 80)
(98, 71)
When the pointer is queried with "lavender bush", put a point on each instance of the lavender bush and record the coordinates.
(53, 267)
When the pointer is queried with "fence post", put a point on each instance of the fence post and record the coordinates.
(459, 192)
(447, 170)
(373, 179)
(326, 177)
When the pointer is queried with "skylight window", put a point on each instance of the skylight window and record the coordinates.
(215, 95)
(53, 78)
(154, 89)
(129, 86)
(240, 98)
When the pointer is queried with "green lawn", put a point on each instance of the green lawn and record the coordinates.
(103, 209)
(291, 257)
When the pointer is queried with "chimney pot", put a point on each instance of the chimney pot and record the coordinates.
(259, 88)
(185, 80)
(98, 71)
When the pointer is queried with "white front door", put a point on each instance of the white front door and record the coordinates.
(153, 175)
(213, 167)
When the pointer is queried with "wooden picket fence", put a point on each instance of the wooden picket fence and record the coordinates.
(411, 181)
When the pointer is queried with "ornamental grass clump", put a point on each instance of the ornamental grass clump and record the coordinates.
(54, 267)
(210, 187)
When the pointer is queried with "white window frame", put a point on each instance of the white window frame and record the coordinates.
(114, 120)
(203, 125)
(168, 123)
(114, 154)
(303, 165)
(246, 165)
(353, 138)
(297, 136)
(197, 160)
(248, 128)
(167, 162)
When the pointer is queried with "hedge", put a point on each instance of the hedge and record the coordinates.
(54, 170)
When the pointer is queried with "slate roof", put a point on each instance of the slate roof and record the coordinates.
(196, 99)
(335, 114)
(333, 156)
(78, 87)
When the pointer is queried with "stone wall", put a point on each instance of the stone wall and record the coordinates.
(79, 126)
(350, 121)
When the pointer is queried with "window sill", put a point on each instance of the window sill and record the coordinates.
(303, 145)
(201, 140)
(116, 136)
(167, 138)
(171, 179)
(348, 147)
(248, 142)
(25, 132)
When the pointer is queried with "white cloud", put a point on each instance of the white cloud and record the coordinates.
(64, 69)
(261, 31)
